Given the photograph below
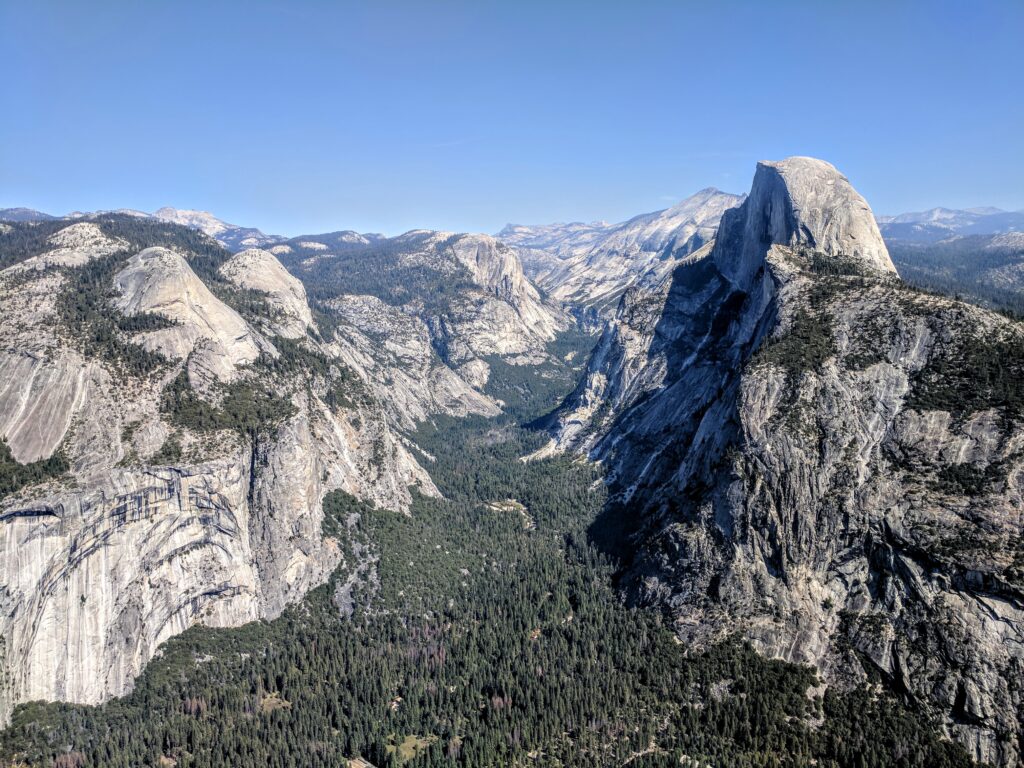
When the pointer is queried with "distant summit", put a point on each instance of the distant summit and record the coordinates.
(938, 224)
(231, 236)
(23, 214)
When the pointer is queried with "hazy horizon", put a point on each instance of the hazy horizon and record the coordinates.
(340, 227)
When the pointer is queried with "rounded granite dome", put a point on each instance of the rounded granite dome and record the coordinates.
(800, 202)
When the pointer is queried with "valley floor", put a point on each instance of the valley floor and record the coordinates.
(469, 638)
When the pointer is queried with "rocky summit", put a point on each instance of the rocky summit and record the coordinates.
(807, 451)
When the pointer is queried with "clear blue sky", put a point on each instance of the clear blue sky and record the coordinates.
(384, 116)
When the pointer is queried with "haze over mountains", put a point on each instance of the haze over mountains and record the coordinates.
(942, 223)
(202, 424)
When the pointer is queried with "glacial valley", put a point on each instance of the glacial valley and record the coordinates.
(713, 486)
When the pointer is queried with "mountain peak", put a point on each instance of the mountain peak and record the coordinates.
(799, 202)
(231, 236)
(201, 220)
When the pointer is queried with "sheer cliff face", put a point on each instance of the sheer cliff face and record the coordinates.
(809, 452)
(159, 522)
(802, 203)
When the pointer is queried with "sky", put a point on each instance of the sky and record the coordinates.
(386, 116)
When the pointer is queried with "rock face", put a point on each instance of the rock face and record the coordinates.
(590, 266)
(38, 398)
(800, 202)
(469, 292)
(504, 316)
(74, 246)
(257, 270)
(160, 523)
(394, 350)
(161, 282)
(97, 579)
(811, 453)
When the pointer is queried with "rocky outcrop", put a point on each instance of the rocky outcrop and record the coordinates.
(622, 368)
(503, 316)
(74, 246)
(39, 396)
(804, 203)
(159, 525)
(791, 443)
(506, 317)
(97, 576)
(497, 269)
(395, 354)
(260, 271)
(161, 282)
(96, 579)
(469, 291)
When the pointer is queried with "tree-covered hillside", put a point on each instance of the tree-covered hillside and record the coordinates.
(981, 269)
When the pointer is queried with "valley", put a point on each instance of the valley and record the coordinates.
(474, 640)
(713, 486)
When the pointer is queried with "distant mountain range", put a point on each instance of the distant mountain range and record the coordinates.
(545, 245)
(974, 253)
(231, 236)
(24, 214)
(591, 265)
(937, 224)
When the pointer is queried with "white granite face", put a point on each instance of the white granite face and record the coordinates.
(589, 266)
(800, 202)
(259, 270)
(818, 521)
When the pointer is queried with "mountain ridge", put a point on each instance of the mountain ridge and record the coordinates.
(179, 413)
(781, 420)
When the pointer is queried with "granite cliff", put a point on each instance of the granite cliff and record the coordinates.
(806, 451)
(174, 417)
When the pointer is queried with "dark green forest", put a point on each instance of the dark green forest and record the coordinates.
(965, 268)
(382, 269)
(15, 475)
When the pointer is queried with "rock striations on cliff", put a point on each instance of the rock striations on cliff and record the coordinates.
(809, 452)
(178, 415)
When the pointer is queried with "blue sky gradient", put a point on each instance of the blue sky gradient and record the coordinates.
(385, 116)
